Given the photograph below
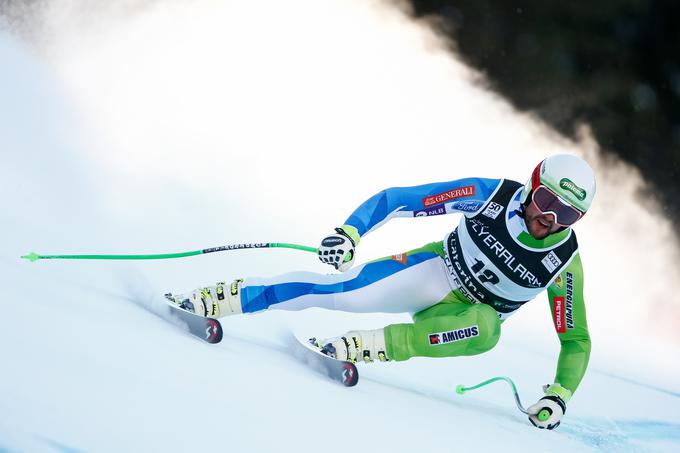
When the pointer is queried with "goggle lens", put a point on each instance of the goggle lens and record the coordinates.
(546, 201)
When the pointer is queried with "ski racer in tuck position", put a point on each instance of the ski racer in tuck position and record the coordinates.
(512, 242)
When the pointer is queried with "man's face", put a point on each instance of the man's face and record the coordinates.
(539, 225)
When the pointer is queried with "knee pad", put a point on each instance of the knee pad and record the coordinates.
(489, 325)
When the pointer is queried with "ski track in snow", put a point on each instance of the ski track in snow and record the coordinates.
(601, 433)
(641, 384)
(264, 346)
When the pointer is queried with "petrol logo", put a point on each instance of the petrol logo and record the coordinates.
(558, 311)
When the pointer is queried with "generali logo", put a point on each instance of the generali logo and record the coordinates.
(568, 184)
(458, 192)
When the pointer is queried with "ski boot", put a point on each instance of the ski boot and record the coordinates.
(211, 301)
(354, 346)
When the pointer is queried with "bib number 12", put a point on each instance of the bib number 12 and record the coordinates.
(484, 275)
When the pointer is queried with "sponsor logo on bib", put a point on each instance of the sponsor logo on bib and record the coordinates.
(492, 210)
(551, 262)
(495, 247)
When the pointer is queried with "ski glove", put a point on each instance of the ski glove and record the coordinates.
(548, 411)
(338, 249)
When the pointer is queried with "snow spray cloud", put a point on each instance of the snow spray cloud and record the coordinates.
(291, 113)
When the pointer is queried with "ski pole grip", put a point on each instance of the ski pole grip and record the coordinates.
(543, 415)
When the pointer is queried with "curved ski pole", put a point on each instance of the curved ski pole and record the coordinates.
(542, 415)
(35, 257)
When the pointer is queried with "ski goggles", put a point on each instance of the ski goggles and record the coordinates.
(548, 202)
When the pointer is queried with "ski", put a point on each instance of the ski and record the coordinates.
(341, 371)
(207, 329)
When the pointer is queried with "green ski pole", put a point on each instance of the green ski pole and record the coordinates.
(35, 256)
(542, 415)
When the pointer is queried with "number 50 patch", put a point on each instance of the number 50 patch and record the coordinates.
(492, 210)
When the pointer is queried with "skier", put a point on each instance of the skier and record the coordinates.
(512, 243)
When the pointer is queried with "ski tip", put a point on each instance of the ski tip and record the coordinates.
(207, 329)
(350, 375)
(32, 257)
(213, 331)
(341, 371)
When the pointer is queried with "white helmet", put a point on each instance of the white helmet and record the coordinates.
(567, 176)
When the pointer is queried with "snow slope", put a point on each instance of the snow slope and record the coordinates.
(94, 159)
(86, 368)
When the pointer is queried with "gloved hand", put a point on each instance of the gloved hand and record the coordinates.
(548, 411)
(338, 249)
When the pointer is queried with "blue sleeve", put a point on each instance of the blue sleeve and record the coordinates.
(461, 195)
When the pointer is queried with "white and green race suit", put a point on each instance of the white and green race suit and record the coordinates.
(459, 290)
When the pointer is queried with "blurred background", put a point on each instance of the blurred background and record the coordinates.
(611, 66)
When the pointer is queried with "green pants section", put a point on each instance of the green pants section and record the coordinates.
(453, 327)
